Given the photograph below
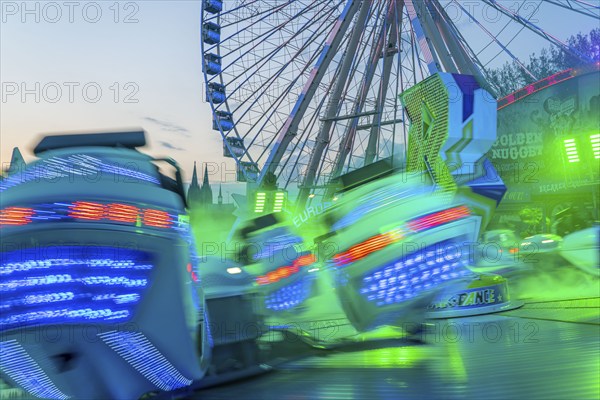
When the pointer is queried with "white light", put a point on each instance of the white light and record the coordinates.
(234, 270)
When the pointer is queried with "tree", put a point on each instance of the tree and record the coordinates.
(511, 76)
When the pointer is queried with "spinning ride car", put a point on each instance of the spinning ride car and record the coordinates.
(100, 292)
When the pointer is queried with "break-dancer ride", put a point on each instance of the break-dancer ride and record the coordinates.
(398, 245)
(307, 92)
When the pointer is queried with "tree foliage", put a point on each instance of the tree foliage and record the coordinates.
(511, 76)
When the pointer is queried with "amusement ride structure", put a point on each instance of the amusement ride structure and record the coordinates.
(306, 91)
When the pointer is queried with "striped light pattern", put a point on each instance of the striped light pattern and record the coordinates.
(87, 211)
(157, 218)
(289, 296)
(259, 204)
(381, 241)
(288, 270)
(136, 349)
(415, 273)
(21, 368)
(76, 165)
(71, 284)
(279, 202)
(432, 220)
(571, 149)
(15, 216)
(595, 141)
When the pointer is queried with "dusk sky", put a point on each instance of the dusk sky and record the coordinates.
(149, 74)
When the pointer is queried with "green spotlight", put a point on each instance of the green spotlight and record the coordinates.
(595, 140)
(269, 201)
(571, 149)
(279, 203)
(259, 203)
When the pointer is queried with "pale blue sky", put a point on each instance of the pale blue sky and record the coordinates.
(159, 56)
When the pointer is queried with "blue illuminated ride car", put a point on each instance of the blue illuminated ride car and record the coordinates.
(100, 292)
(392, 248)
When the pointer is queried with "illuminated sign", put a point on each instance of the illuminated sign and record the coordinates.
(479, 297)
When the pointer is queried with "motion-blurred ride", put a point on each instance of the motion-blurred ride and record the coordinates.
(100, 292)
(582, 249)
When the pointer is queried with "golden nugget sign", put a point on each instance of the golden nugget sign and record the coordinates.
(516, 146)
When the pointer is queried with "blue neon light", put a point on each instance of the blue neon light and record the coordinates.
(71, 284)
(142, 355)
(415, 273)
(289, 296)
(53, 168)
(22, 369)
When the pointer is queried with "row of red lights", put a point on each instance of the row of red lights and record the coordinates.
(536, 87)
(15, 216)
(546, 82)
(90, 211)
(438, 218)
(378, 242)
(363, 249)
(120, 213)
(284, 272)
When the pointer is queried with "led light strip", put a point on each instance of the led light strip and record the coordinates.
(21, 368)
(142, 355)
(571, 149)
(284, 272)
(595, 140)
(71, 284)
(378, 242)
(86, 211)
(289, 296)
(406, 278)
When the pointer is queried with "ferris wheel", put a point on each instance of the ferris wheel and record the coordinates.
(308, 90)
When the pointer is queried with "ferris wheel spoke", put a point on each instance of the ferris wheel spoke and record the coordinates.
(324, 131)
(271, 55)
(303, 140)
(506, 25)
(291, 125)
(371, 149)
(584, 8)
(261, 39)
(270, 32)
(537, 30)
(495, 39)
(281, 98)
(243, 135)
(350, 131)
